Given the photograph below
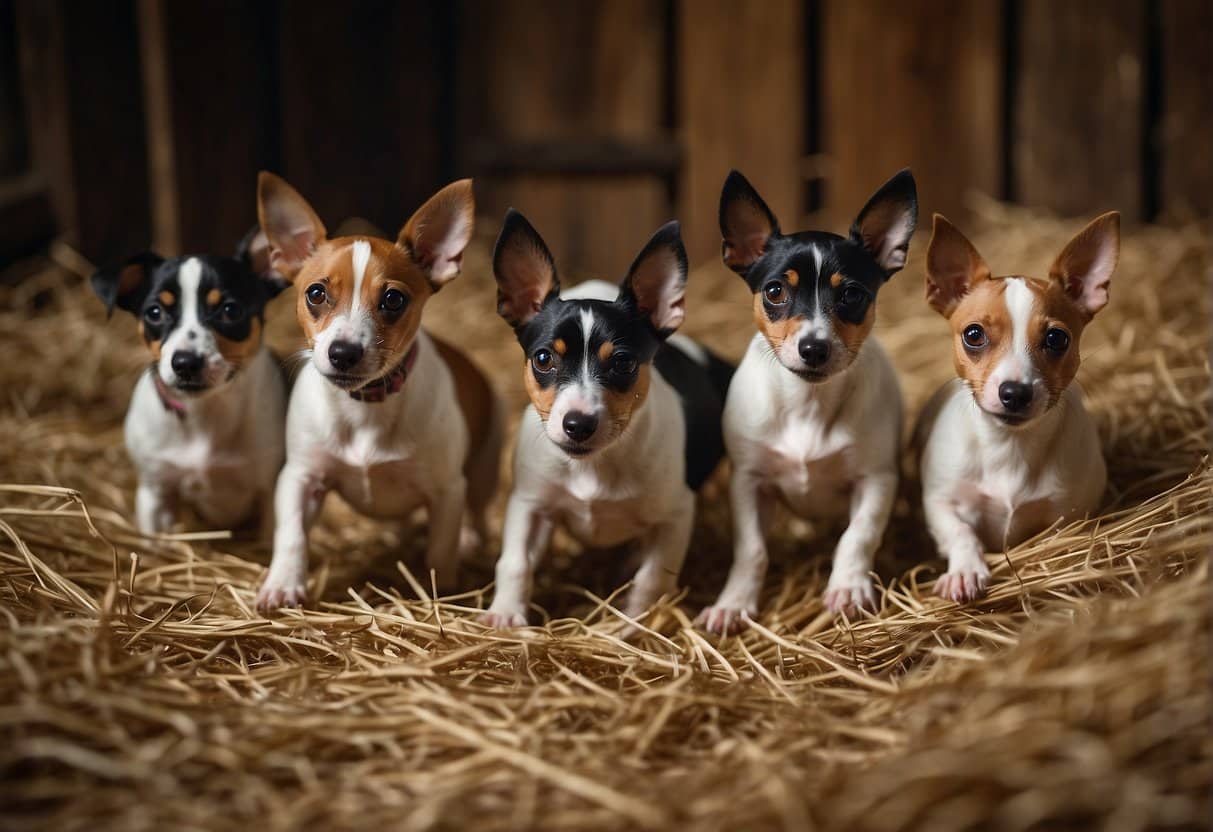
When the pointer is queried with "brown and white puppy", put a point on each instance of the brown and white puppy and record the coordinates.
(1008, 448)
(204, 426)
(386, 415)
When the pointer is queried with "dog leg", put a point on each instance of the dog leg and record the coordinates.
(524, 540)
(850, 587)
(739, 598)
(446, 511)
(297, 500)
(967, 573)
(154, 507)
(664, 548)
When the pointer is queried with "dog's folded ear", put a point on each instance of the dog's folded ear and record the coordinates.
(746, 224)
(1084, 267)
(657, 281)
(525, 271)
(887, 222)
(953, 267)
(436, 235)
(127, 284)
(254, 251)
(291, 226)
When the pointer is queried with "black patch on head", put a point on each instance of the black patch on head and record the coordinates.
(816, 257)
(127, 284)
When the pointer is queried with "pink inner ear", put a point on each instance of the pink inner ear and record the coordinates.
(660, 290)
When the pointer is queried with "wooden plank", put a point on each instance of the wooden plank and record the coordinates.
(14, 147)
(1186, 134)
(577, 72)
(911, 83)
(1079, 106)
(741, 96)
(81, 83)
(364, 97)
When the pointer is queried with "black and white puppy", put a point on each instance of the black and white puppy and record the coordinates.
(624, 421)
(813, 418)
(205, 424)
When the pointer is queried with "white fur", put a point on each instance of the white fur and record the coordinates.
(384, 458)
(1017, 364)
(221, 459)
(827, 450)
(360, 253)
(190, 335)
(633, 489)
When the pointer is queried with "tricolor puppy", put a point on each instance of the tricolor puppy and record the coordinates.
(205, 421)
(1008, 449)
(813, 417)
(389, 417)
(624, 420)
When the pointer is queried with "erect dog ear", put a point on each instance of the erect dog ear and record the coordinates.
(657, 281)
(887, 222)
(1084, 267)
(439, 231)
(746, 223)
(127, 284)
(953, 267)
(291, 226)
(254, 251)
(524, 269)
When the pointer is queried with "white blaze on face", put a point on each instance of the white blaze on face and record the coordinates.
(1016, 364)
(584, 395)
(354, 324)
(189, 334)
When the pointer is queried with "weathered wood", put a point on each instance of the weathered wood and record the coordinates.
(364, 99)
(555, 72)
(14, 149)
(1078, 124)
(741, 98)
(577, 157)
(80, 78)
(1186, 132)
(911, 83)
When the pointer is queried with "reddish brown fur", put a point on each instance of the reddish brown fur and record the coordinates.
(167, 298)
(621, 406)
(776, 332)
(542, 397)
(475, 396)
(213, 297)
(606, 350)
(238, 353)
(792, 277)
(853, 335)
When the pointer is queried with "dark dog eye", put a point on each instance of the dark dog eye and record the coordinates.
(623, 364)
(393, 300)
(775, 293)
(852, 295)
(316, 294)
(153, 314)
(543, 361)
(231, 312)
(974, 336)
(1057, 340)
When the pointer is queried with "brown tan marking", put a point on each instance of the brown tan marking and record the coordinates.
(793, 277)
(776, 332)
(153, 346)
(853, 335)
(621, 406)
(559, 346)
(213, 297)
(238, 353)
(606, 350)
(542, 397)
(474, 394)
(167, 298)
(836, 279)
(986, 306)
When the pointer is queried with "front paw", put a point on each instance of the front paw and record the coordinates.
(504, 618)
(725, 619)
(850, 594)
(275, 595)
(964, 583)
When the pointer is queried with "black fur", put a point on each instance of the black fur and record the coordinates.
(702, 390)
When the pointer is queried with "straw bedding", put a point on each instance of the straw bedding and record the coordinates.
(138, 690)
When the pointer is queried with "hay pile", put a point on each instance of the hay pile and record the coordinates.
(138, 689)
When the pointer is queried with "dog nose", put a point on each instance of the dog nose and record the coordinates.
(187, 364)
(814, 351)
(1015, 396)
(344, 354)
(580, 426)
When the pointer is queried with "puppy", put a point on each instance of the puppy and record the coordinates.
(813, 417)
(1008, 449)
(624, 420)
(204, 426)
(387, 416)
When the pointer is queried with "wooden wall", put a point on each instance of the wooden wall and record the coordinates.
(143, 122)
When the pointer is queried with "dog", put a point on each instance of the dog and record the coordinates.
(383, 413)
(204, 426)
(1008, 449)
(623, 424)
(813, 416)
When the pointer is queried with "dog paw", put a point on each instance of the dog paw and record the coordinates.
(503, 619)
(470, 542)
(963, 584)
(850, 595)
(273, 596)
(724, 620)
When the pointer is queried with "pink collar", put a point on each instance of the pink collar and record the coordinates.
(386, 385)
(174, 406)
